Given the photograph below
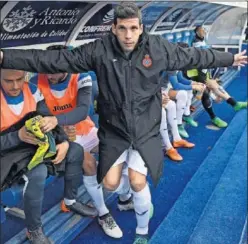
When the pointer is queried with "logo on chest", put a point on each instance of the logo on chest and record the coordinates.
(147, 61)
(61, 108)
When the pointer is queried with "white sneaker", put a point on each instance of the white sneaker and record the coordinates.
(109, 226)
(126, 205)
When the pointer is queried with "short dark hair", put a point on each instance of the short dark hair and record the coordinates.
(126, 10)
(197, 28)
(183, 44)
(57, 47)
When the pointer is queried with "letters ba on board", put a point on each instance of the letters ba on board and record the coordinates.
(30, 23)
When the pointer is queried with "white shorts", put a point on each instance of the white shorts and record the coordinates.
(89, 141)
(133, 160)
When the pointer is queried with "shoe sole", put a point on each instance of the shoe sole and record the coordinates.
(221, 126)
(183, 147)
(176, 160)
(193, 125)
(81, 214)
(184, 136)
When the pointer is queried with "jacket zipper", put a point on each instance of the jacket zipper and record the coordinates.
(129, 105)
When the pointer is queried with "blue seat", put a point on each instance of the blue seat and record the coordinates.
(178, 37)
(3, 215)
(94, 86)
(93, 115)
(191, 38)
(169, 37)
(12, 197)
(186, 36)
(95, 92)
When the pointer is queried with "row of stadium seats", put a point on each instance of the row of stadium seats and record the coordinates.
(182, 36)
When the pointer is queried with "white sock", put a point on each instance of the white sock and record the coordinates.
(125, 180)
(96, 193)
(125, 169)
(164, 131)
(187, 109)
(181, 98)
(172, 119)
(142, 205)
(124, 186)
(69, 202)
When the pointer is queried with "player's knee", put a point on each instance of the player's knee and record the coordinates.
(89, 166)
(171, 105)
(206, 100)
(137, 183)
(111, 183)
(182, 95)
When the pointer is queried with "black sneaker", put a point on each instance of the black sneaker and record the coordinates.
(79, 208)
(125, 205)
(38, 237)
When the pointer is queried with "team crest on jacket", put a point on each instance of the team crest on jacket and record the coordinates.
(147, 61)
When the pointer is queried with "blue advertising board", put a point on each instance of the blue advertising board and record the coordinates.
(99, 25)
(32, 22)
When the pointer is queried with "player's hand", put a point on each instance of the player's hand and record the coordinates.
(240, 59)
(62, 150)
(198, 87)
(70, 131)
(165, 99)
(212, 84)
(27, 137)
(48, 123)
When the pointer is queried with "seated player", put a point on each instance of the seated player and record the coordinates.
(18, 104)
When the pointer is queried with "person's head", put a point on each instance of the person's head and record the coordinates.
(12, 81)
(127, 26)
(58, 77)
(200, 31)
